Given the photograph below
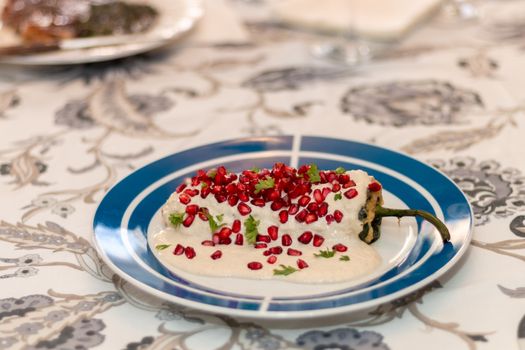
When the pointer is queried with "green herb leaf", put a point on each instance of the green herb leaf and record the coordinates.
(285, 270)
(340, 170)
(313, 173)
(219, 217)
(264, 184)
(338, 196)
(203, 185)
(176, 219)
(255, 169)
(252, 230)
(214, 226)
(162, 246)
(211, 173)
(344, 258)
(325, 253)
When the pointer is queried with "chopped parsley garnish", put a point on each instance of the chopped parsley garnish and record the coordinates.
(344, 258)
(162, 246)
(285, 270)
(214, 226)
(313, 173)
(203, 185)
(252, 230)
(264, 184)
(211, 173)
(255, 169)
(219, 217)
(176, 219)
(338, 196)
(340, 170)
(325, 253)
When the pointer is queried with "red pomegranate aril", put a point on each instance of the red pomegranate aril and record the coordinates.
(305, 237)
(189, 252)
(203, 216)
(263, 238)
(318, 240)
(184, 198)
(215, 238)
(239, 239)
(260, 245)
(326, 191)
(271, 259)
(312, 207)
(205, 192)
(191, 192)
(374, 186)
(329, 219)
(244, 209)
(208, 243)
(349, 184)
(217, 189)
(338, 216)
(318, 196)
(294, 208)
(273, 232)
(301, 264)
(225, 241)
(231, 189)
(273, 195)
(220, 198)
(331, 176)
(243, 197)
(336, 187)
(340, 247)
(301, 215)
(236, 226)
(179, 249)
(286, 240)
(192, 209)
(351, 193)
(255, 265)
(241, 187)
(344, 178)
(304, 200)
(216, 255)
(302, 169)
(278, 204)
(324, 178)
(311, 217)
(232, 200)
(293, 252)
(225, 232)
(267, 253)
(275, 250)
(323, 209)
(181, 188)
(283, 216)
(259, 202)
(188, 220)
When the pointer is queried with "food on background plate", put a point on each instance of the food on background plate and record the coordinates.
(306, 225)
(48, 21)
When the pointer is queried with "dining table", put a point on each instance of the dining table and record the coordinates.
(449, 93)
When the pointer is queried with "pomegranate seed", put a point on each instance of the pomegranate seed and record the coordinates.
(181, 188)
(203, 216)
(338, 216)
(273, 232)
(323, 177)
(272, 259)
(188, 220)
(184, 198)
(331, 176)
(277, 205)
(374, 186)
(294, 208)
(303, 201)
(344, 178)
(301, 215)
(225, 241)
(273, 195)
(276, 250)
(351, 193)
(326, 191)
(232, 200)
(243, 197)
(239, 239)
(259, 202)
(191, 192)
(205, 192)
(192, 209)
(225, 232)
(340, 247)
(220, 198)
(231, 189)
(215, 238)
(301, 264)
(305, 237)
(323, 209)
(293, 252)
(255, 265)
(318, 196)
(336, 188)
(260, 245)
(318, 240)
(312, 207)
(216, 255)
(189, 252)
(311, 217)
(283, 216)
(263, 238)
(267, 253)
(349, 184)
(329, 219)
(236, 226)
(208, 243)
(241, 187)
(244, 209)
(179, 249)
(286, 240)
(302, 169)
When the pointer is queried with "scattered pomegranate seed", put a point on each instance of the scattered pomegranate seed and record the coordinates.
(179, 249)
(326, 191)
(244, 209)
(267, 253)
(324, 178)
(184, 198)
(349, 184)
(301, 264)
(273, 195)
(318, 196)
(305, 237)
(273, 232)
(188, 220)
(208, 243)
(329, 219)
(351, 193)
(181, 188)
(239, 239)
(191, 192)
(283, 216)
(236, 226)
(338, 216)
(243, 197)
(216, 255)
(374, 186)
(323, 209)
(318, 240)
(192, 209)
(277, 205)
(205, 192)
(225, 232)
(336, 187)
(260, 245)
(294, 208)
(231, 189)
(331, 176)
(293, 252)
(263, 238)
(189, 252)
(225, 241)
(340, 247)
(215, 238)
(286, 240)
(301, 216)
(232, 200)
(312, 207)
(344, 178)
(259, 202)
(271, 259)
(203, 216)
(311, 217)
(304, 200)
(255, 265)
(220, 198)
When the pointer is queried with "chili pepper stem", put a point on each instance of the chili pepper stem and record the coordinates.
(399, 213)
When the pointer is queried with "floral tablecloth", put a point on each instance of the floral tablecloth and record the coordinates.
(451, 94)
